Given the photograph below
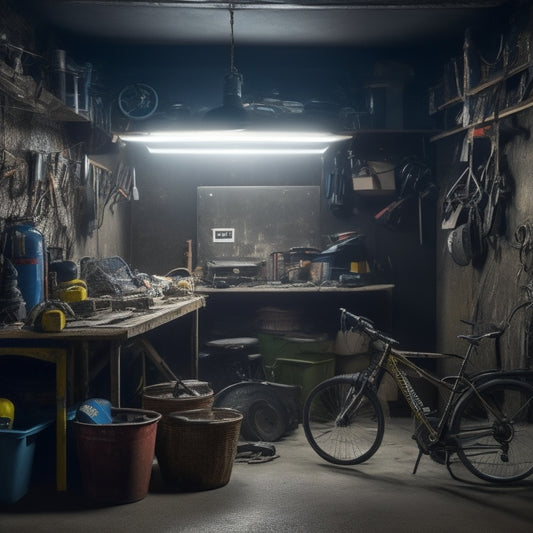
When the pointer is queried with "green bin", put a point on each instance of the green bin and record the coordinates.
(304, 373)
(295, 346)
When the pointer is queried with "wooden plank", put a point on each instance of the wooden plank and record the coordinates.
(162, 366)
(287, 288)
(136, 324)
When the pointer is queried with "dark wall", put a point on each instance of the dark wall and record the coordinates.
(165, 218)
(484, 292)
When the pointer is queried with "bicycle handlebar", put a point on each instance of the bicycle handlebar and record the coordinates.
(365, 325)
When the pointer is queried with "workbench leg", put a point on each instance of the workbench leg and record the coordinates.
(83, 370)
(162, 366)
(114, 367)
(194, 344)
(61, 420)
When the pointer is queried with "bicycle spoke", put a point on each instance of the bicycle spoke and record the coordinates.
(494, 431)
(343, 425)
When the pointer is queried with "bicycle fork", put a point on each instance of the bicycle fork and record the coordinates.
(352, 403)
(371, 377)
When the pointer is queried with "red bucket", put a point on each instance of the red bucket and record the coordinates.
(116, 459)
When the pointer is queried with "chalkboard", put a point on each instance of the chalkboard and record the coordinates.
(252, 222)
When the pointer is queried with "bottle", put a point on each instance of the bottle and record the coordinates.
(24, 247)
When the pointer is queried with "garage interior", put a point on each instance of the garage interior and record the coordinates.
(393, 184)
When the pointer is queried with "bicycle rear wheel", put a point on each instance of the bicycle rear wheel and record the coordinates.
(342, 423)
(494, 431)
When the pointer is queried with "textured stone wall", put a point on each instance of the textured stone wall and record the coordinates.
(486, 292)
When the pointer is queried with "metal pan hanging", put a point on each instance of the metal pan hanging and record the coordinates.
(460, 244)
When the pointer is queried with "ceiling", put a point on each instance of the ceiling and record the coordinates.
(264, 22)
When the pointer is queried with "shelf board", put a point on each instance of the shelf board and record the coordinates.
(32, 98)
(511, 110)
(447, 133)
(496, 79)
(454, 101)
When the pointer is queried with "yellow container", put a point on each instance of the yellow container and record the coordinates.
(53, 321)
(7, 413)
(73, 294)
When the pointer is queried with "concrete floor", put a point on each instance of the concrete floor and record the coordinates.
(298, 492)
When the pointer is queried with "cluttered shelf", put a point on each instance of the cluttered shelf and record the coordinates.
(475, 92)
(24, 90)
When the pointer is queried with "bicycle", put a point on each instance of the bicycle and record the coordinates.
(487, 419)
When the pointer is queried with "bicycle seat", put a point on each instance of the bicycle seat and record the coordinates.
(476, 339)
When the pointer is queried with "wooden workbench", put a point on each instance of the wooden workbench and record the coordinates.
(114, 327)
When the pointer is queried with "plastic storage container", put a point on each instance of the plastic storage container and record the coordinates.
(305, 373)
(17, 453)
(307, 347)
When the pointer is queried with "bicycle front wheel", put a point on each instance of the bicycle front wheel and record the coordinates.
(342, 423)
(494, 430)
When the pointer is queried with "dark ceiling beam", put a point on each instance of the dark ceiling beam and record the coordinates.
(297, 4)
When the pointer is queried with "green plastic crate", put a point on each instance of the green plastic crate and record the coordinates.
(306, 374)
(273, 347)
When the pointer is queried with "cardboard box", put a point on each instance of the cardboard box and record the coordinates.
(379, 180)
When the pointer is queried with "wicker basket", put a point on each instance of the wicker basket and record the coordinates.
(160, 397)
(197, 448)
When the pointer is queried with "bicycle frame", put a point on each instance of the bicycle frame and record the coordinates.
(392, 361)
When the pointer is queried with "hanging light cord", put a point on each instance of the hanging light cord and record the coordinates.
(232, 54)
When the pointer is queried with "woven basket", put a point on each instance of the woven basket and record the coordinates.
(196, 449)
(160, 397)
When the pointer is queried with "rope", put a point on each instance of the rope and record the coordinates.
(524, 242)
(232, 51)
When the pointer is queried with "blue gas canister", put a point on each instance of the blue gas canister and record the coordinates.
(24, 247)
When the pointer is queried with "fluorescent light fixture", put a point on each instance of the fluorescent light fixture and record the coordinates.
(234, 136)
(234, 142)
(248, 150)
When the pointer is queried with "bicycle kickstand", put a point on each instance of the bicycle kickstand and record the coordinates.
(420, 453)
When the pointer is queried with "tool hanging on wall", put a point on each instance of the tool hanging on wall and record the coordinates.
(415, 182)
(336, 187)
(134, 190)
(475, 200)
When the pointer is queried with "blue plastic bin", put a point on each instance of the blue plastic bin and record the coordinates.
(17, 450)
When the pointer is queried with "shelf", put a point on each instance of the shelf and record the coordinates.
(476, 99)
(454, 101)
(288, 288)
(33, 98)
(497, 79)
(512, 110)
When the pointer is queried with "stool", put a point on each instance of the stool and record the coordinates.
(255, 366)
(229, 361)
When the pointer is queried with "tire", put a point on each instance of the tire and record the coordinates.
(494, 431)
(349, 441)
(138, 101)
(264, 419)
